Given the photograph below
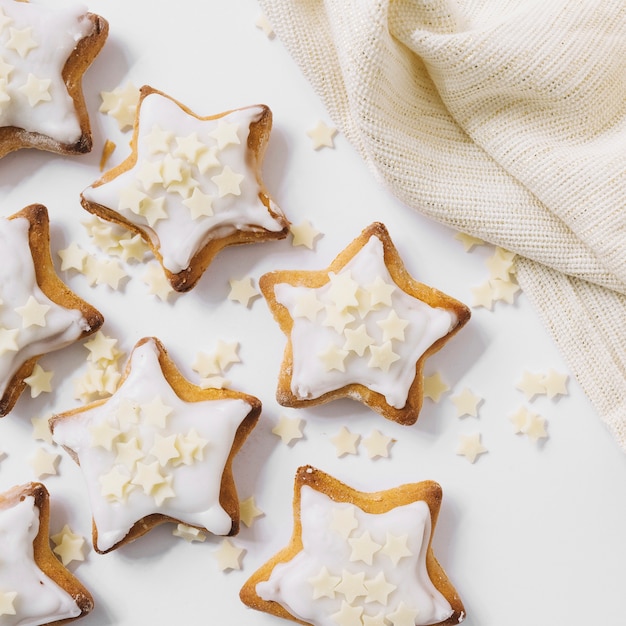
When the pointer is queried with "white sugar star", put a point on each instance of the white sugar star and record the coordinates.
(242, 291)
(471, 447)
(36, 90)
(228, 555)
(322, 135)
(288, 429)
(393, 327)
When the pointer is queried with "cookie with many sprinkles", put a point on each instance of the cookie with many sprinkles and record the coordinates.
(361, 329)
(192, 185)
(160, 449)
(357, 558)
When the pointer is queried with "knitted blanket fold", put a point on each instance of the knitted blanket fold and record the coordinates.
(505, 119)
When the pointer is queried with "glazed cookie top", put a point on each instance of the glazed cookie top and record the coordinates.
(355, 565)
(27, 595)
(146, 451)
(194, 180)
(35, 43)
(358, 558)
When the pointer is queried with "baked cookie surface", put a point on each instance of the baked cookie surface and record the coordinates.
(362, 328)
(35, 588)
(357, 558)
(159, 449)
(44, 52)
(192, 185)
(39, 313)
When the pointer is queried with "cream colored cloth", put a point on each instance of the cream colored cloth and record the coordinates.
(505, 119)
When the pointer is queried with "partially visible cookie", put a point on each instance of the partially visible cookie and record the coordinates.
(44, 52)
(38, 312)
(361, 329)
(35, 588)
(357, 558)
(192, 185)
(159, 449)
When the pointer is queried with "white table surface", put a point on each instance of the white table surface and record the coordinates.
(529, 534)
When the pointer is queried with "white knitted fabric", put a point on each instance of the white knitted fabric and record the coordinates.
(505, 119)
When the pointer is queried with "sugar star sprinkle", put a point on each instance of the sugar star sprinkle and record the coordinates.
(322, 135)
(41, 429)
(377, 444)
(345, 442)
(157, 282)
(73, 257)
(68, 546)
(435, 387)
(35, 586)
(469, 242)
(242, 291)
(483, 295)
(39, 381)
(344, 575)
(228, 555)
(466, 403)
(361, 328)
(121, 104)
(304, 234)
(531, 384)
(191, 186)
(288, 429)
(555, 383)
(249, 511)
(470, 447)
(535, 428)
(501, 264)
(43, 463)
(138, 448)
(263, 23)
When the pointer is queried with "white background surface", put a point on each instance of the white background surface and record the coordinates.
(529, 534)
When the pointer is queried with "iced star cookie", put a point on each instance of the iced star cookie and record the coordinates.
(44, 52)
(159, 449)
(192, 185)
(35, 588)
(358, 558)
(38, 312)
(362, 329)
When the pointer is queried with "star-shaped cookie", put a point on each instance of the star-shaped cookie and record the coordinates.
(159, 449)
(44, 52)
(35, 588)
(362, 329)
(192, 185)
(357, 558)
(38, 312)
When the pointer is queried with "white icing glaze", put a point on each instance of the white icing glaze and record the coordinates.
(39, 600)
(311, 379)
(323, 546)
(195, 486)
(17, 284)
(55, 33)
(178, 236)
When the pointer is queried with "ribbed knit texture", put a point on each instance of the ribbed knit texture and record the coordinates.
(505, 119)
